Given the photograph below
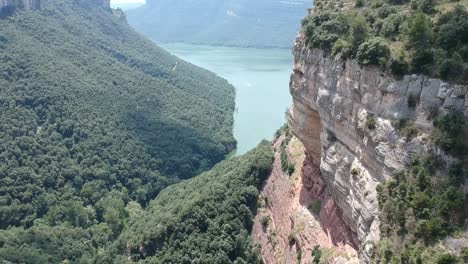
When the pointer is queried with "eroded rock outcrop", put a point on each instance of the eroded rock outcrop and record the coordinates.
(334, 104)
(286, 229)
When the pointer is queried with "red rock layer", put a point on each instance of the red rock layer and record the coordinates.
(285, 200)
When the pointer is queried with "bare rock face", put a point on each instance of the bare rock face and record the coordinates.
(119, 13)
(286, 229)
(342, 113)
(8, 7)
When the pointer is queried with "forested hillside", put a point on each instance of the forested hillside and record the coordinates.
(206, 219)
(95, 120)
(247, 23)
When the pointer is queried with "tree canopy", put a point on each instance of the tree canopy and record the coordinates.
(420, 36)
(95, 121)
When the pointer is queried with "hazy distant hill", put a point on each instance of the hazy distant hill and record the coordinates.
(257, 23)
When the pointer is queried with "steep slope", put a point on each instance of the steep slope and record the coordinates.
(391, 147)
(257, 23)
(206, 219)
(94, 117)
(297, 216)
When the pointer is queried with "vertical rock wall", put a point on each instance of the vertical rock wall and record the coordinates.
(332, 103)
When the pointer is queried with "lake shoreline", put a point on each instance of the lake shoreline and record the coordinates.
(163, 43)
(261, 81)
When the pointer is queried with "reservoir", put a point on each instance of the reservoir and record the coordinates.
(261, 79)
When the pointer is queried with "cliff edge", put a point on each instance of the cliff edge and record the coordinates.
(345, 115)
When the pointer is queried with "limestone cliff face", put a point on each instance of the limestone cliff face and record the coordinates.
(7, 7)
(332, 103)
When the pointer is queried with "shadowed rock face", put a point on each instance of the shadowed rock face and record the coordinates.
(8, 7)
(332, 103)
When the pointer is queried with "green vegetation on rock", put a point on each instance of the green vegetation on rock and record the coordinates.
(422, 205)
(287, 166)
(315, 207)
(87, 106)
(420, 36)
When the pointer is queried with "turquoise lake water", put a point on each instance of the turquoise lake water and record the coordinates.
(261, 78)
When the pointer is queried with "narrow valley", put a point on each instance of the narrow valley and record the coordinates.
(260, 132)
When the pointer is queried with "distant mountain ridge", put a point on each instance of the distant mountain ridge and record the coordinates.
(126, 6)
(246, 23)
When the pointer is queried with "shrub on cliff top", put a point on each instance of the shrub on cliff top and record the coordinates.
(374, 51)
(343, 48)
(359, 31)
(324, 29)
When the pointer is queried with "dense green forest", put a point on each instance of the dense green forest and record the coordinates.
(206, 219)
(244, 23)
(95, 121)
(419, 36)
